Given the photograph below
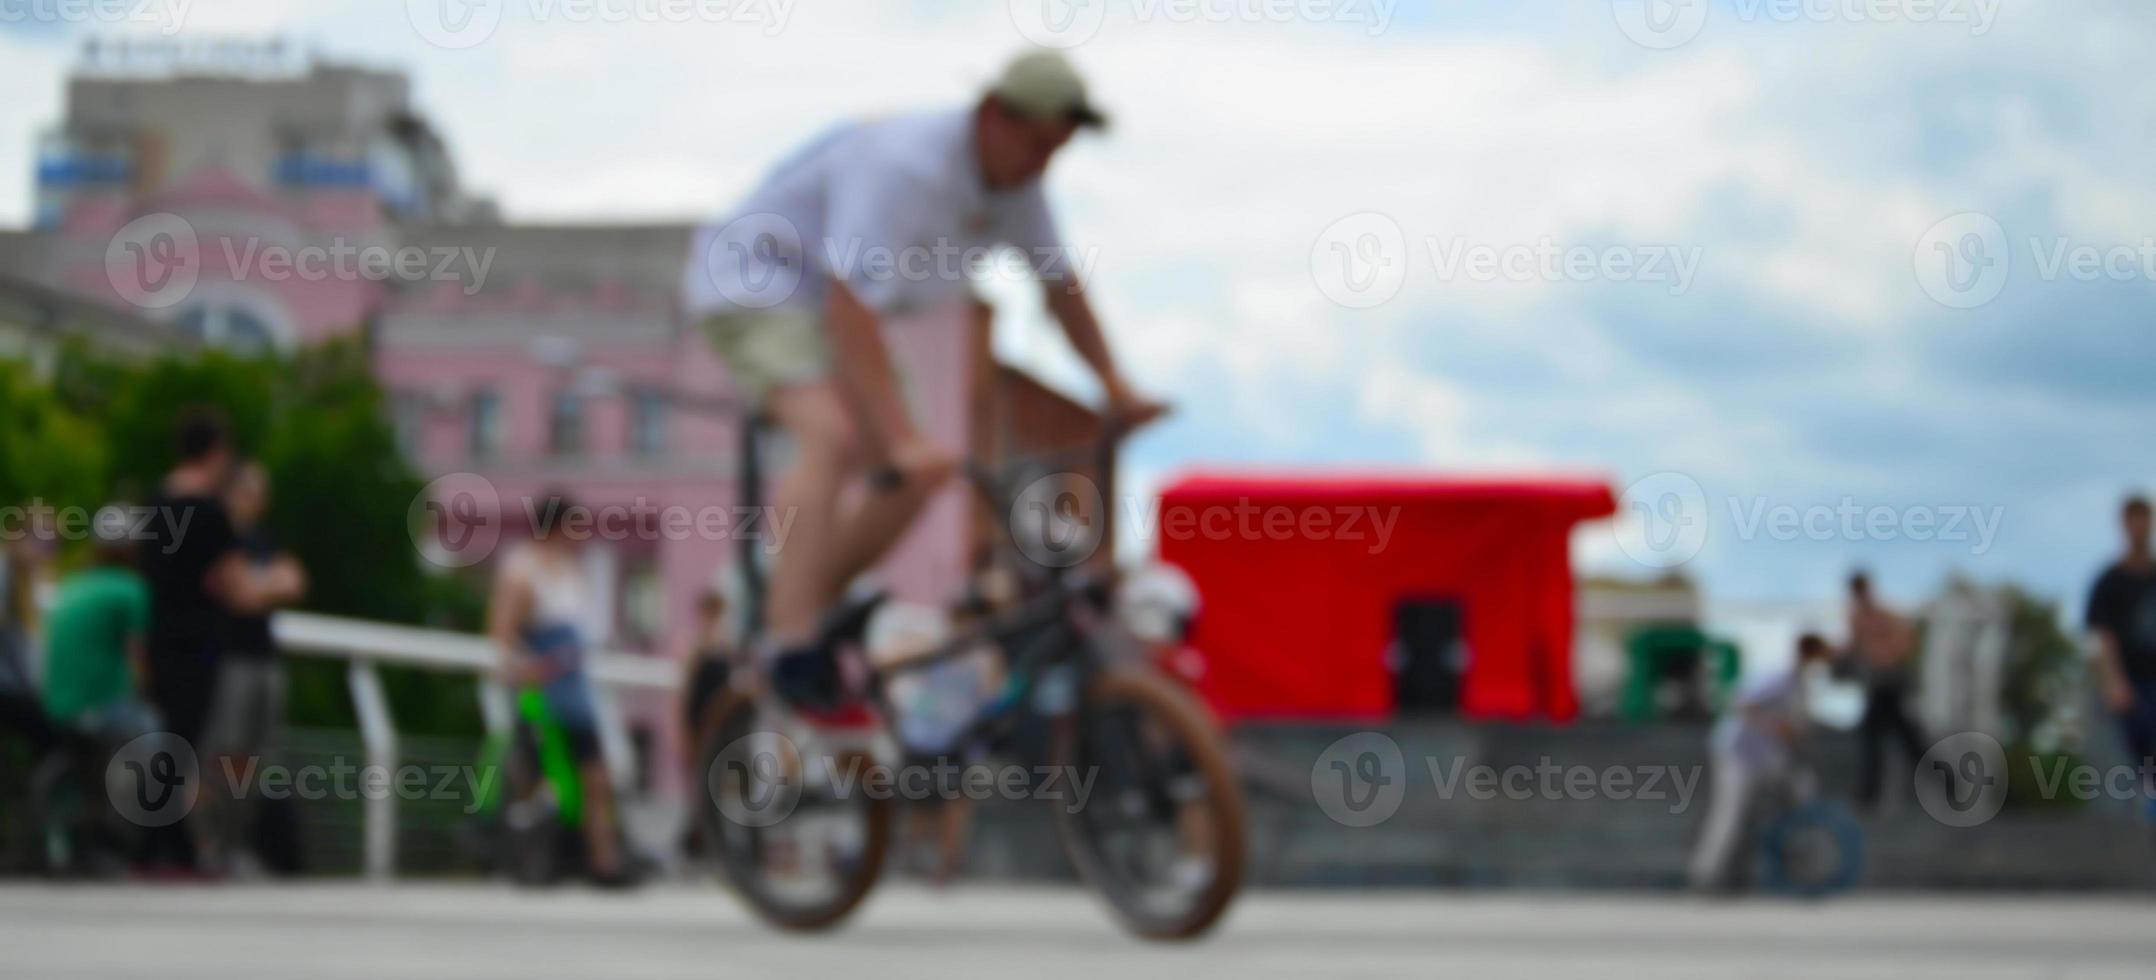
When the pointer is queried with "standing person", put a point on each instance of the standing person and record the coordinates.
(708, 668)
(197, 574)
(247, 706)
(2122, 617)
(1883, 644)
(20, 711)
(853, 229)
(1753, 748)
(540, 618)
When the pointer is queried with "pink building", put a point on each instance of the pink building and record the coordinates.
(279, 204)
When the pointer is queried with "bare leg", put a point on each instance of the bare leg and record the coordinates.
(953, 818)
(815, 416)
(870, 523)
(601, 836)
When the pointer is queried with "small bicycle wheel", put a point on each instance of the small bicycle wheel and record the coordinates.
(531, 842)
(1812, 851)
(1161, 836)
(796, 836)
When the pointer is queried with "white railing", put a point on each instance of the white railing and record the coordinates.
(366, 646)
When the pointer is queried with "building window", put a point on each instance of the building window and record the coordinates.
(407, 421)
(647, 423)
(228, 326)
(483, 437)
(565, 424)
(643, 606)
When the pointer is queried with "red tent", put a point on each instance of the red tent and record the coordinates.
(1300, 578)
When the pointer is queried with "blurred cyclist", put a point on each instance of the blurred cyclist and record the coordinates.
(1754, 750)
(795, 288)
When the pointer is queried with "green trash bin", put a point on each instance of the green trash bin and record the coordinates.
(1658, 655)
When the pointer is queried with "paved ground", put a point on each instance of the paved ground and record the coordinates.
(479, 932)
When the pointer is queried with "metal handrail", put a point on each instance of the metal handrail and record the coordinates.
(366, 646)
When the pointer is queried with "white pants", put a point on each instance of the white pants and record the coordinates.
(1736, 784)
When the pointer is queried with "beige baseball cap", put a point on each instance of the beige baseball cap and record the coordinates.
(1043, 85)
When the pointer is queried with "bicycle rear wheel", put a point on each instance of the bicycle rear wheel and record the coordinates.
(795, 835)
(1161, 837)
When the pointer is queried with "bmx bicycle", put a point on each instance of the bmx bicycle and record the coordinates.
(531, 819)
(1161, 839)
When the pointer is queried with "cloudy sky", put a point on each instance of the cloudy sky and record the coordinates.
(1823, 282)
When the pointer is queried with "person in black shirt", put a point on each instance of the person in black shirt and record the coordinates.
(2122, 616)
(710, 664)
(197, 576)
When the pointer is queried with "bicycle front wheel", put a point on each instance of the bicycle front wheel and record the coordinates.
(1161, 835)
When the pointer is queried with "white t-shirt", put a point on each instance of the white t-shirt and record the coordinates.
(894, 207)
(1761, 703)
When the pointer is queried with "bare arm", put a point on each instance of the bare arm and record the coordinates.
(1066, 299)
(249, 590)
(2110, 670)
(507, 607)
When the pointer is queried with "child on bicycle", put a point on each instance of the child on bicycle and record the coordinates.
(1754, 750)
(540, 617)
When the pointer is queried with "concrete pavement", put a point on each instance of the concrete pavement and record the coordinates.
(483, 931)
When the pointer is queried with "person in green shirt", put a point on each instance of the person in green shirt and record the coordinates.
(95, 646)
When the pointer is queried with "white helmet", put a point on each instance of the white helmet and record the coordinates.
(1157, 603)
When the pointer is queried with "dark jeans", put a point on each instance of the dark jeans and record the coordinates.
(2138, 725)
(1886, 716)
(21, 714)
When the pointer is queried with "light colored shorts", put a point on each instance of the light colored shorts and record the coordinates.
(770, 349)
(248, 707)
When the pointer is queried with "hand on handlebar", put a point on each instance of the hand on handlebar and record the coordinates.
(916, 460)
(1128, 410)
